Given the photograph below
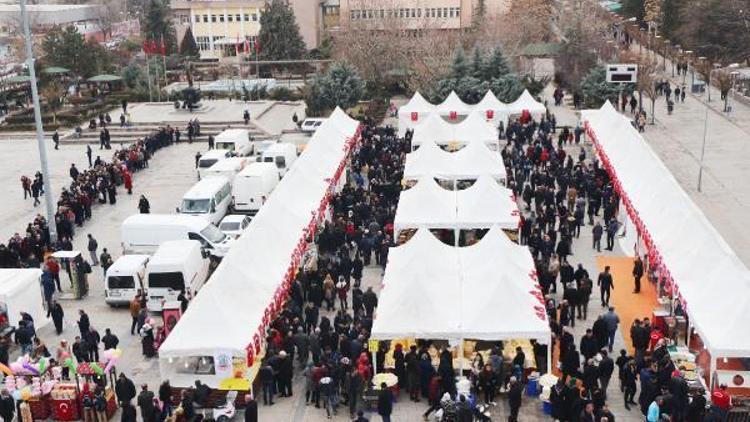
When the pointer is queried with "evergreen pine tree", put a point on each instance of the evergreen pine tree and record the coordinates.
(477, 63)
(279, 35)
(156, 24)
(460, 66)
(188, 47)
(495, 66)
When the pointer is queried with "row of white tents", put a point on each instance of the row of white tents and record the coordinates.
(710, 279)
(224, 319)
(418, 109)
(432, 290)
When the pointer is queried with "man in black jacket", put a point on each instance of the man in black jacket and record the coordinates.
(606, 368)
(146, 404)
(7, 406)
(251, 409)
(514, 399)
(124, 389)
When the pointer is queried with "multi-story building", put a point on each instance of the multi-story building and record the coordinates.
(415, 14)
(218, 26)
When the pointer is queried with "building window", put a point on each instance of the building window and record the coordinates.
(203, 43)
(440, 12)
(434, 12)
(221, 18)
(197, 18)
(230, 18)
(205, 18)
(255, 17)
(419, 13)
(213, 18)
(458, 11)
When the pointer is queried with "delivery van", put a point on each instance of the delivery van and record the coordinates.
(253, 186)
(124, 278)
(209, 158)
(282, 154)
(238, 141)
(178, 265)
(209, 198)
(144, 233)
(311, 124)
(228, 168)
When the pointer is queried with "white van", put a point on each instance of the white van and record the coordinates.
(209, 158)
(283, 155)
(236, 140)
(234, 224)
(311, 124)
(124, 278)
(176, 266)
(253, 186)
(209, 198)
(228, 168)
(144, 233)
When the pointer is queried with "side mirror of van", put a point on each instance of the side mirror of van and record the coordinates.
(177, 209)
(204, 253)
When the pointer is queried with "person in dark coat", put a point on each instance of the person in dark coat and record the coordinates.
(57, 314)
(128, 413)
(146, 404)
(514, 399)
(124, 389)
(637, 273)
(385, 403)
(251, 409)
(7, 406)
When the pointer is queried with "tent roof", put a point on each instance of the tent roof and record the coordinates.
(470, 162)
(711, 280)
(474, 128)
(417, 103)
(453, 103)
(482, 205)
(225, 314)
(490, 102)
(480, 290)
(527, 102)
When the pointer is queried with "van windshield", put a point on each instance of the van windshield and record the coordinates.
(121, 282)
(195, 206)
(172, 280)
(207, 162)
(225, 145)
(213, 234)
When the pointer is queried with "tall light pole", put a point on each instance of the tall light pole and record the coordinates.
(703, 150)
(39, 129)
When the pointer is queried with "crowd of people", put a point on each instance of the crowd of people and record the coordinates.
(87, 187)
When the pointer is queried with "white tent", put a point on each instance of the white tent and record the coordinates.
(472, 129)
(527, 102)
(413, 113)
(492, 109)
(472, 161)
(482, 292)
(223, 318)
(711, 280)
(483, 205)
(20, 291)
(452, 105)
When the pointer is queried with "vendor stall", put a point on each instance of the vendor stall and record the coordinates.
(468, 163)
(78, 273)
(413, 113)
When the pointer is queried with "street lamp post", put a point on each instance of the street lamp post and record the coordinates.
(39, 129)
(664, 57)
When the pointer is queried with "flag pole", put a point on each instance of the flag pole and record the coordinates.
(164, 60)
(148, 77)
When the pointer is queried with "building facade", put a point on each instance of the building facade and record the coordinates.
(219, 26)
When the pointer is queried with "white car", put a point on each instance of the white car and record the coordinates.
(234, 224)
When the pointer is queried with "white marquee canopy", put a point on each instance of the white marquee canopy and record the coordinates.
(472, 161)
(483, 205)
(527, 102)
(711, 280)
(481, 292)
(472, 129)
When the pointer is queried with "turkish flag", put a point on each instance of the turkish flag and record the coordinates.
(257, 45)
(490, 114)
(153, 48)
(414, 116)
(453, 115)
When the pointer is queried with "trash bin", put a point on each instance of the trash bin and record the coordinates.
(532, 388)
(547, 407)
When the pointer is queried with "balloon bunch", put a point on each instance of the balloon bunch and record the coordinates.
(111, 356)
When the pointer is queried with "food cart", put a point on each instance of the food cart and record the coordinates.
(73, 263)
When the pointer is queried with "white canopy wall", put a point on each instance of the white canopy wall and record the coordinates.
(470, 162)
(492, 110)
(711, 280)
(416, 107)
(21, 291)
(482, 292)
(483, 205)
(527, 102)
(225, 315)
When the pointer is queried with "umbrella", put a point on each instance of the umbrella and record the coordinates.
(18, 79)
(54, 70)
(105, 78)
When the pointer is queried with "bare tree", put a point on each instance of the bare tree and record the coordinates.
(108, 14)
(723, 80)
(647, 77)
(704, 68)
(53, 95)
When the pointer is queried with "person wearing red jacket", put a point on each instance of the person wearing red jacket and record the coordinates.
(128, 180)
